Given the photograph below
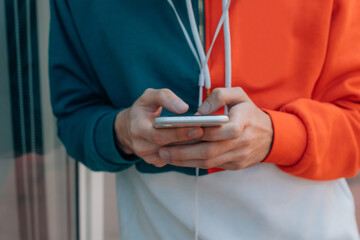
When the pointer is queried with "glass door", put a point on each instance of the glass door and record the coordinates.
(38, 182)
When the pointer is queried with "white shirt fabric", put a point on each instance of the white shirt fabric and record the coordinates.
(260, 202)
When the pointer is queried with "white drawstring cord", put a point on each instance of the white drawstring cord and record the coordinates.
(204, 76)
(196, 214)
(227, 50)
(227, 46)
(187, 37)
(218, 28)
(198, 41)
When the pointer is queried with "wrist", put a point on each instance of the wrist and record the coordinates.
(289, 139)
(121, 134)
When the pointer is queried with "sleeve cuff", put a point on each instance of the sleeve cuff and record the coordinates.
(105, 141)
(289, 141)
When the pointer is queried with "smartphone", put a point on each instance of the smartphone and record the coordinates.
(191, 121)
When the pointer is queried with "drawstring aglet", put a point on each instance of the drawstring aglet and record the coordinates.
(208, 91)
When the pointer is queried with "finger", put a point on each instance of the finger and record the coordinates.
(155, 160)
(216, 162)
(162, 137)
(142, 148)
(231, 130)
(203, 150)
(242, 158)
(152, 99)
(221, 97)
(236, 165)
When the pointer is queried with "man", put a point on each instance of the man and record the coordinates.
(294, 129)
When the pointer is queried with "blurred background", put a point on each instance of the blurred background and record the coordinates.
(43, 193)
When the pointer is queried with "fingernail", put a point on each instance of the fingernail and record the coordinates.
(164, 156)
(204, 108)
(180, 106)
(194, 133)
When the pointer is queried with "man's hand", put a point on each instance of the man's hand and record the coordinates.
(134, 126)
(243, 142)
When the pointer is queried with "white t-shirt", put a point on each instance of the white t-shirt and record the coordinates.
(260, 202)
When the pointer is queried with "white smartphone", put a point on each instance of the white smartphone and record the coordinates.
(190, 121)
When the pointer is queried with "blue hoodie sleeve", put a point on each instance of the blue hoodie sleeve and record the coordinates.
(85, 116)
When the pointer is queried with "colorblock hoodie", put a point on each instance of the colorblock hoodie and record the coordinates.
(299, 61)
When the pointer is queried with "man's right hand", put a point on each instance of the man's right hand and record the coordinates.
(135, 131)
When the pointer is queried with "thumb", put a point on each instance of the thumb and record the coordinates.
(152, 99)
(221, 97)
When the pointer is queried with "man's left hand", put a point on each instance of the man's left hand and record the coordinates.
(242, 142)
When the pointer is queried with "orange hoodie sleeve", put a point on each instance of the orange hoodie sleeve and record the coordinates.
(325, 129)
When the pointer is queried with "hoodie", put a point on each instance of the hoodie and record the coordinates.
(299, 61)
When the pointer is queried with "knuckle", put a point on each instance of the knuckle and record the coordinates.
(149, 91)
(235, 131)
(231, 167)
(151, 160)
(158, 164)
(164, 93)
(238, 165)
(138, 150)
(220, 96)
(218, 93)
(239, 89)
(246, 141)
